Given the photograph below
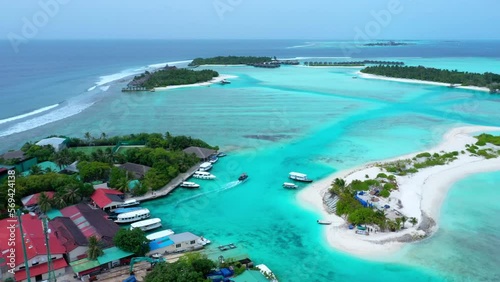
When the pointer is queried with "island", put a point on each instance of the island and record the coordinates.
(389, 43)
(352, 63)
(374, 209)
(454, 78)
(169, 76)
(262, 62)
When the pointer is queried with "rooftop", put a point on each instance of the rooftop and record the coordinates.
(183, 237)
(14, 155)
(41, 269)
(112, 254)
(103, 197)
(32, 200)
(67, 233)
(137, 169)
(201, 153)
(51, 141)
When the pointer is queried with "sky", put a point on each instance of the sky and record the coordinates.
(249, 19)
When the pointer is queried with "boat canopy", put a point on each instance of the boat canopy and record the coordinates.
(146, 222)
(297, 174)
(160, 234)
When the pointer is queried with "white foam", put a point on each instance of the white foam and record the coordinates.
(63, 112)
(104, 88)
(308, 44)
(41, 110)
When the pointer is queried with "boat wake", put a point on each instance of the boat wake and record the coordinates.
(223, 188)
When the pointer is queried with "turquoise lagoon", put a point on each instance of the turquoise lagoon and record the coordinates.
(311, 120)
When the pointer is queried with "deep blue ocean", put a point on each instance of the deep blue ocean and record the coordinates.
(270, 122)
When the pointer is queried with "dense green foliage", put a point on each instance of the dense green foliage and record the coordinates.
(92, 171)
(189, 268)
(133, 241)
(484, 139)
(488, 79)
(174, 76)
(94, 248)
(42, 153)
(229, 60)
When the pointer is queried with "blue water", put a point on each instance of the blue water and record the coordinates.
(271, 122)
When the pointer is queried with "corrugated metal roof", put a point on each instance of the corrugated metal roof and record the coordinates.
(83, 264)
(113, 254)
(183, 237)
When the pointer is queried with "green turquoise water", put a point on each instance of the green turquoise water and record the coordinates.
(271, 122)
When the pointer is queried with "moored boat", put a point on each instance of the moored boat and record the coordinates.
(124, 210)
(299, 177)
(205, 166)
(204, 241)
(221, 154)
(160, 234)
(148, 224)
(187, 184)
(288, 185)
(213, 159)
(134, 216)
(129, 203)
(243, 177)
(203, 175)
(225, 81)
(324, 222)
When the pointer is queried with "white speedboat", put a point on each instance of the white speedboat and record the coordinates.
(187, 184)
(324, 222)
(204, 241)
(203, 175)
(225, 81)
(148, 224)
(129, 203)
(205, 166)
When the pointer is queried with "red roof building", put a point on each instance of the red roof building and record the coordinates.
(34, 240)
(92, 222)
(70, 236)
(107, 198)
(41, 269)
(32, 200)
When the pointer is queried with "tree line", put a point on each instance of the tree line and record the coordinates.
(487, 79)
(230, 60)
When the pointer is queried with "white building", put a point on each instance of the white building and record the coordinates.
(57, 143)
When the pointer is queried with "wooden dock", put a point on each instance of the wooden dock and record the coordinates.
(165, 190)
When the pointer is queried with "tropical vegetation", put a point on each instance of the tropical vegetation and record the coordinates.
(487, 79)
(230, 60)
(95, 248)
(192, 267)
(133, 241)
(172, 76)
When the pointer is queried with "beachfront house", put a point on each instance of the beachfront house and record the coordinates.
(92, 222)
(107, 199)
(203, 154)
(36, 250)
(18, 159)
(56, 142)
(139, 171)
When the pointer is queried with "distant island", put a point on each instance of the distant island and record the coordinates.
(169, 76)
(390, 43)
(230, 60)
(352, 63)
(260, 62)
(453, 77)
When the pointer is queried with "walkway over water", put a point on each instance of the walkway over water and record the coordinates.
(165, 190)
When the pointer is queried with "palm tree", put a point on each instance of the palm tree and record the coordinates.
(71, 193)
(59, 202)
(103, 135)
(62, 158)
(398, 223)
(88, 136)
(35, 170)
(44, 203)
(403, 220)
(122, 185)
(413, 221)
(95, 249)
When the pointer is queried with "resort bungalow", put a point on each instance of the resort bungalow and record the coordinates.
(139, 171)
(175, 243)
(107, 199)
(71, 237)
(56, 142)
(92, 222)
(36, 250)
(19, 160)
(203, 154)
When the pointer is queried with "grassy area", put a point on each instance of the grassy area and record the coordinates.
(89, 149)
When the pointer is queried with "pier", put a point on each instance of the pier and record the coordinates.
(167, 189)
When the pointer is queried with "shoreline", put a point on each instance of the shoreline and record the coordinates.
(422, 195)
(207, 83)
(407, 80)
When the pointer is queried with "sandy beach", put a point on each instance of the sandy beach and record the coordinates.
(421, 195)
(373, 76)
(208, 83)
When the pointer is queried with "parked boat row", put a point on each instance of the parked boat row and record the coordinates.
(146, 225)
(296, 176)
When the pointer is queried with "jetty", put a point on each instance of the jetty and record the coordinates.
(167, 189)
